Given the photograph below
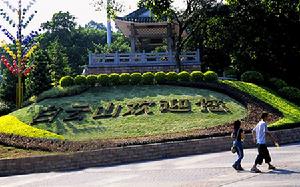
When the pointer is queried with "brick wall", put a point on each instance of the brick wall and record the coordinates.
(110, 156)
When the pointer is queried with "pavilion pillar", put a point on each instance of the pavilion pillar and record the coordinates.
(169, 37)
(132, 38)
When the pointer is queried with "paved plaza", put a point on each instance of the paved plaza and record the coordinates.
(201, 170)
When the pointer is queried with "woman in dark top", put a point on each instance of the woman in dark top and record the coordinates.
(238, 135)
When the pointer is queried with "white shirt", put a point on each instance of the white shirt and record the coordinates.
(260, 131)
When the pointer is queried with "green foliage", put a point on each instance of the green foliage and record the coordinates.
(184, 76)
(120, 44)
(80, 80)
(103, 79)
(210, 76)
(124, 78)
(114, 79)
(172, 76)
(277, 84)
(66, 81)
(148, 78)
(8, 86)
(197, 76)
(253, 77)
(290, 111)
(5, 108)
(91, 80)
(58, 66)
(57, 92)
(135, 78)
(160, 77)
(11, 125)
(291, 93)
(39, 78)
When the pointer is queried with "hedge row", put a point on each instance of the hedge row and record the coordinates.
(148, 78)
(278, 85)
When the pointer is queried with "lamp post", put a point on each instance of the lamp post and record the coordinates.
(108, 9)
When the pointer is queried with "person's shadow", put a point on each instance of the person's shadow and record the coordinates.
(283, 172)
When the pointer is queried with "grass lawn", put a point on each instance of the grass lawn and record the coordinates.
(11, 152)
(133, 126)
(290, 111)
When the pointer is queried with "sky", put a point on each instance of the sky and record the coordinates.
(83, 10)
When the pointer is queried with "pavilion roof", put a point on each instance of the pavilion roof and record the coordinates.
(140, 15)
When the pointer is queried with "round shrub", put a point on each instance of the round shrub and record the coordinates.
(210, 76)
(160, 77)
(114, 79)
(66, 81)
(277, 84)
(80, 80)
(197, 76)
(172, 76)
(184, 76)
(148, 78)
(103, 79)
(91, 80)
(124, 79)
(253, 77)
(291, 93)
(135, 78)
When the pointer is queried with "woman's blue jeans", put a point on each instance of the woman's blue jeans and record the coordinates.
(240, 152)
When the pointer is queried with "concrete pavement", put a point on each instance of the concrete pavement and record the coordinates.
(201, 170)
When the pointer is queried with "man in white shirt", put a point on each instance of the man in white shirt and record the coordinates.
(259, 137)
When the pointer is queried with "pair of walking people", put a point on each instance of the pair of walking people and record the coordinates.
(259, 137)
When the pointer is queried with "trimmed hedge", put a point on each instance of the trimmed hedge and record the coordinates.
(114, 79)
(252, 77)
(197, 76)
(91, 80)
(160, 77)
(184, 76)
(210, 76)
(172, 76)
(124, 79)
(66, 81)
(135, 78)
(103, 79)
(277, 84)
(291, 93)
(148, 78)
(80, 80)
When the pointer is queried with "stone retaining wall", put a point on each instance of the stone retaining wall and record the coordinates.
(128, 154)
(141, 69)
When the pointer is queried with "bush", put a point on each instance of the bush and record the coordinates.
(148, 78)
(114, 79)
(277, 84)
(124, 78)
(291, 93)
(66, 81)
(210, 76)
(135, 78)
(184, 76)
(160, 77)
(80, 80)
(57, 92)
(253, 77)
(197, 76)
(5, 108)
(103, 79)
(172, 76)
(91, 80)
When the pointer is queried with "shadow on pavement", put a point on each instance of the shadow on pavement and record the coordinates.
(283, 172)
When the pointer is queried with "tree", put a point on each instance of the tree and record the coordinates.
(8, 86)
(94, 25)
(58, 66)
(61, 21)
(185, 19)
(39, 80)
